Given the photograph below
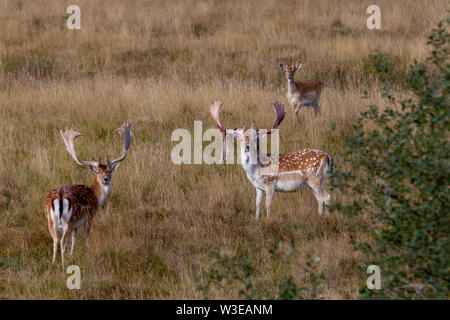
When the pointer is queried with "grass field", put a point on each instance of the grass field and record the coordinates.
(160, 64)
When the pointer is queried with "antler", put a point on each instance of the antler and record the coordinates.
(297, 66)
(125, 132)
(214, 110)
(69, 136)
(279, 109)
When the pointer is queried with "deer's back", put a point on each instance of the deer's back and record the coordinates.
(308, 86)
(82, 201)
(304, 162)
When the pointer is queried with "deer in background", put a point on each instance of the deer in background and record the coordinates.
(279, 172)
(72, 207)
(299, 93)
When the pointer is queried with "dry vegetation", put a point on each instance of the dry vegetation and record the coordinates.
(160, 64)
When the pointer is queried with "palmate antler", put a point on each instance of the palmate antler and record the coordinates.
(125, 132)
(69, 137)
(215, 111)
(279, 109)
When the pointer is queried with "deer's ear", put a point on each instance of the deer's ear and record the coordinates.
(297, 66)
(93, 169)
(281, 66)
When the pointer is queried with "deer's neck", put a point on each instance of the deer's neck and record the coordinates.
(292, 87)
(251, 164)
(101, 191)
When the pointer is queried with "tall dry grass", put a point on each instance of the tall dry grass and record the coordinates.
(160, 64)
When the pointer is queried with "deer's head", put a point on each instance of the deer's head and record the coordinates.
(248, 140)
(103, 171)
(289, 70)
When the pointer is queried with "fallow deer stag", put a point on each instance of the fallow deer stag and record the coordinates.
(299, 93)
(72, 207)
(278, 172)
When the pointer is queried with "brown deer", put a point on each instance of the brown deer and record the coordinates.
(299, 93)
(278, 172)
(69, 208)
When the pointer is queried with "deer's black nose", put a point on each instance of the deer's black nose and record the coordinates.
(105, 179)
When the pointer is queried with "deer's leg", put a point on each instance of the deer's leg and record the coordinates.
(270, 189)
(259, 198)
(54, 235)
(326, 201)
(319, 203)
(325, 195)
(65, 236)
(317, 190)
(74, 238)
(317, 109)
(298, 107)
(87, 228)
(294, 115)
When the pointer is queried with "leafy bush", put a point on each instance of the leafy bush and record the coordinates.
(238, 273)
(399, 168)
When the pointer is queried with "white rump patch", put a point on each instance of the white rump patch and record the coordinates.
(61, 219)
(54, 213)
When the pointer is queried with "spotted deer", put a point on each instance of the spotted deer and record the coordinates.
(278, 172)
(299, 93)
(72, 207)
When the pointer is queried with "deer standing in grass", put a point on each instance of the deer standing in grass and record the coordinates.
(279, 172)
(72, 207)
(299, 93)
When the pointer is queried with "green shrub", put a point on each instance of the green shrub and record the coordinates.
(399, 169)
(235, 272)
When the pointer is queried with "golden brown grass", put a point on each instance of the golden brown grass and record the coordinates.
(160, 64)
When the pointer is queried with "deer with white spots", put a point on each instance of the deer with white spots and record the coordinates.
(278, 172)
(299, 94)
(72, 207)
